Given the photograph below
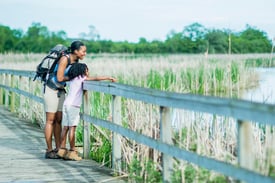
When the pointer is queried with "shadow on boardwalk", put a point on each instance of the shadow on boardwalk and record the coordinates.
(22, 148)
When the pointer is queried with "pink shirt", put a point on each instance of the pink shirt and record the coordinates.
(74, 96)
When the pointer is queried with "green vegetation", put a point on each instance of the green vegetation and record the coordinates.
(215, 75)
(140, 171)
(205, 79)
(194, 38)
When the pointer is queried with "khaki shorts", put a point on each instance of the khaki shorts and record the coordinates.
(52, 102)
(70, 115)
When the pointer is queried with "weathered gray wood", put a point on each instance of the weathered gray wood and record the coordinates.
(30, 74)
(238, 109)
(12, 105)
(1, 89)
(7, 83)
(116, 147)
(166, 137)
(21, 92)
(246, 155)
(22, 149)
(86, 126)
(21, 98)
(31, 102)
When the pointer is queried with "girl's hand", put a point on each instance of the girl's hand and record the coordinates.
(113, 79)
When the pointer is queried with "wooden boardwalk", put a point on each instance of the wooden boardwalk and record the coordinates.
(22, 149)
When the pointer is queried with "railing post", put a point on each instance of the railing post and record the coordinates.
(12, 103)
(22, 101)
(31, 90)
(86, 126)
(116, 143)
(7, 91)
(245, 145)
(166, 137)
(1, 89)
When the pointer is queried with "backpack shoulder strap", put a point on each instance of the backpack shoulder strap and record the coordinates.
(53, 65)
(56, 60)
(69, 60)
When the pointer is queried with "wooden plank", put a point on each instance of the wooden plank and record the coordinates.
(22, 148)
(166, 117)
(245, 145)
(239, 109)
(86, 126)
(116, 139)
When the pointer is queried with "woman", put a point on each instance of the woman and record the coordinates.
(54, 99)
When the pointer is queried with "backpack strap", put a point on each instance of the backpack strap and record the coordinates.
(56, 60)
(53, 65)
(69, 60)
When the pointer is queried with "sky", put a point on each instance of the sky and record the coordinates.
(129, 20)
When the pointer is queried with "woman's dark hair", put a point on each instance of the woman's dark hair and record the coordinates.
(75, 45)
(77, 69)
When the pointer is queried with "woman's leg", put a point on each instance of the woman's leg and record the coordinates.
(57, 129)
(48, 131)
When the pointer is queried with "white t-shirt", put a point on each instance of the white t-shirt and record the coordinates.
(74, 96)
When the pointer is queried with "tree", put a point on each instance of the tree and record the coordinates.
(195, 37)
(8, 40)
(194, 31)
(217, 41)
(251, 40)
(37, 38)
(92, 35)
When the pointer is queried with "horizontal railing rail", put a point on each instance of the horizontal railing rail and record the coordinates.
(239, 109)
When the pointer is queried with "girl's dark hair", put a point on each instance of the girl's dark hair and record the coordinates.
(77, 69)
(75, 45)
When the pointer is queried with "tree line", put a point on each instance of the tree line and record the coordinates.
(194, 38)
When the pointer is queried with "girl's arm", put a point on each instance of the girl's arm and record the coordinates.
(100, 78)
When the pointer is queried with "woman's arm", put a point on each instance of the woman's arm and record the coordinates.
(63, 62)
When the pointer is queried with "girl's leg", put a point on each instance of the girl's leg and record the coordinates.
(62, 152)
(72, 154)
(64, 136)
(72, 137)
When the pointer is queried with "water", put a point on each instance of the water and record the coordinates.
(265, 92)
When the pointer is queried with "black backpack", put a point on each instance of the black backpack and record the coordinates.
(48, 63)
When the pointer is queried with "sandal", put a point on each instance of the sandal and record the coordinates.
(62, 152)
(51, 155)
(72, 155)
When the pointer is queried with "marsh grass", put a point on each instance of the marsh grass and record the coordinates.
(206, 134)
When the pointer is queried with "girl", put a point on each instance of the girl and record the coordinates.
(78, 73)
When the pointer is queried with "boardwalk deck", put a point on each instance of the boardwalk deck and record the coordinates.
(22, 148)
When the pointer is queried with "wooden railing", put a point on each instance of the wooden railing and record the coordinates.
(244, 112)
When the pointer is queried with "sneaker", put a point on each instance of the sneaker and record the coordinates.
(72, 155)
(62, 152)
(51, 155)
